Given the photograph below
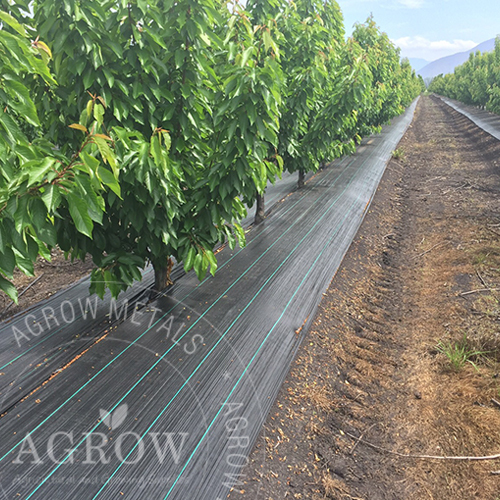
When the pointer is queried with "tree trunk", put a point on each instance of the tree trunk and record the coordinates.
(260, 209)
(301, 182)
(162, 275)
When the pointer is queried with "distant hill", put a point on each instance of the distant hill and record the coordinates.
(448, 64)
(417, 64)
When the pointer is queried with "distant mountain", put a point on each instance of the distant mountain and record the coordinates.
(417, 64)
(448, 64)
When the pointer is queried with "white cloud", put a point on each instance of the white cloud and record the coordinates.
(418, 46)
(412, 4)
(389, 4)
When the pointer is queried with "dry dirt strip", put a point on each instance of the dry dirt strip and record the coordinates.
(168, 404)
(370, 390)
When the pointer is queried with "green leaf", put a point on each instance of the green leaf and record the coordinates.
(268, 42)
(12, 130)
(105, 151)
(189, 260)
(198, 266)
(167, 139)
(99, 113)
(213, 261)
(51, 197)
(109, 77)
(8, 288)
(32, 248)
(240, 234)
(90, 162)
(24, 263)
(179, 58)
(21, 215)
(47, 234)
(3, 238)
(37, 173)
(79, 213)
(38, 212)
(107, 178)
(156, 150)
(13, 23)
(7, 262)
(25, 107)
(97, 283)
(246, 55)
(44, 251)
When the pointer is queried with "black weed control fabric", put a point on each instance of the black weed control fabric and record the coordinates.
(35, 344)
(169, 403)
(489, 122)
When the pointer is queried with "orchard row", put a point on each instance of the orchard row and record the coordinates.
(476, 82)
(135, 131)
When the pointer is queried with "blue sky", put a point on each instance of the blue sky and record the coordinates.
(429, 29)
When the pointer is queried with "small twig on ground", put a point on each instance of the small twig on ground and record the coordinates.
(435, 179)
(494, 401)
(360, 438)
(495, 473)
(23, 292)
(423, 457)
(430, 249)
(493, 231)
(481, 279)
(479, 290)
(389, 235)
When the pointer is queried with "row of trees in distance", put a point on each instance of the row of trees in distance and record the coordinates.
(135, 131)
(476, 82)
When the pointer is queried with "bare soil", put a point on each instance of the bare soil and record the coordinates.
(369, 380)
(50, 277)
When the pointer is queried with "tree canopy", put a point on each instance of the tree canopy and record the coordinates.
(476, 82)
(135, 131)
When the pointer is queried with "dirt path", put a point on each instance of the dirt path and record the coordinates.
(370, 366)
(50, 277)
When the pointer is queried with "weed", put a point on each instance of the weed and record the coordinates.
(459, 353)
(398, 154)
(490, 306)
(480, 259)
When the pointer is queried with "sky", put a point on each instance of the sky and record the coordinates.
(428, 29)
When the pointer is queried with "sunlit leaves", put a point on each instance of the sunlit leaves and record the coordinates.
(37, 180)
(166, 117)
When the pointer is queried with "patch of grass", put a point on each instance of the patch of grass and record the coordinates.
(398, 154)
(490, 306)
(480, 259)
(460, 353)
(486, 256)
